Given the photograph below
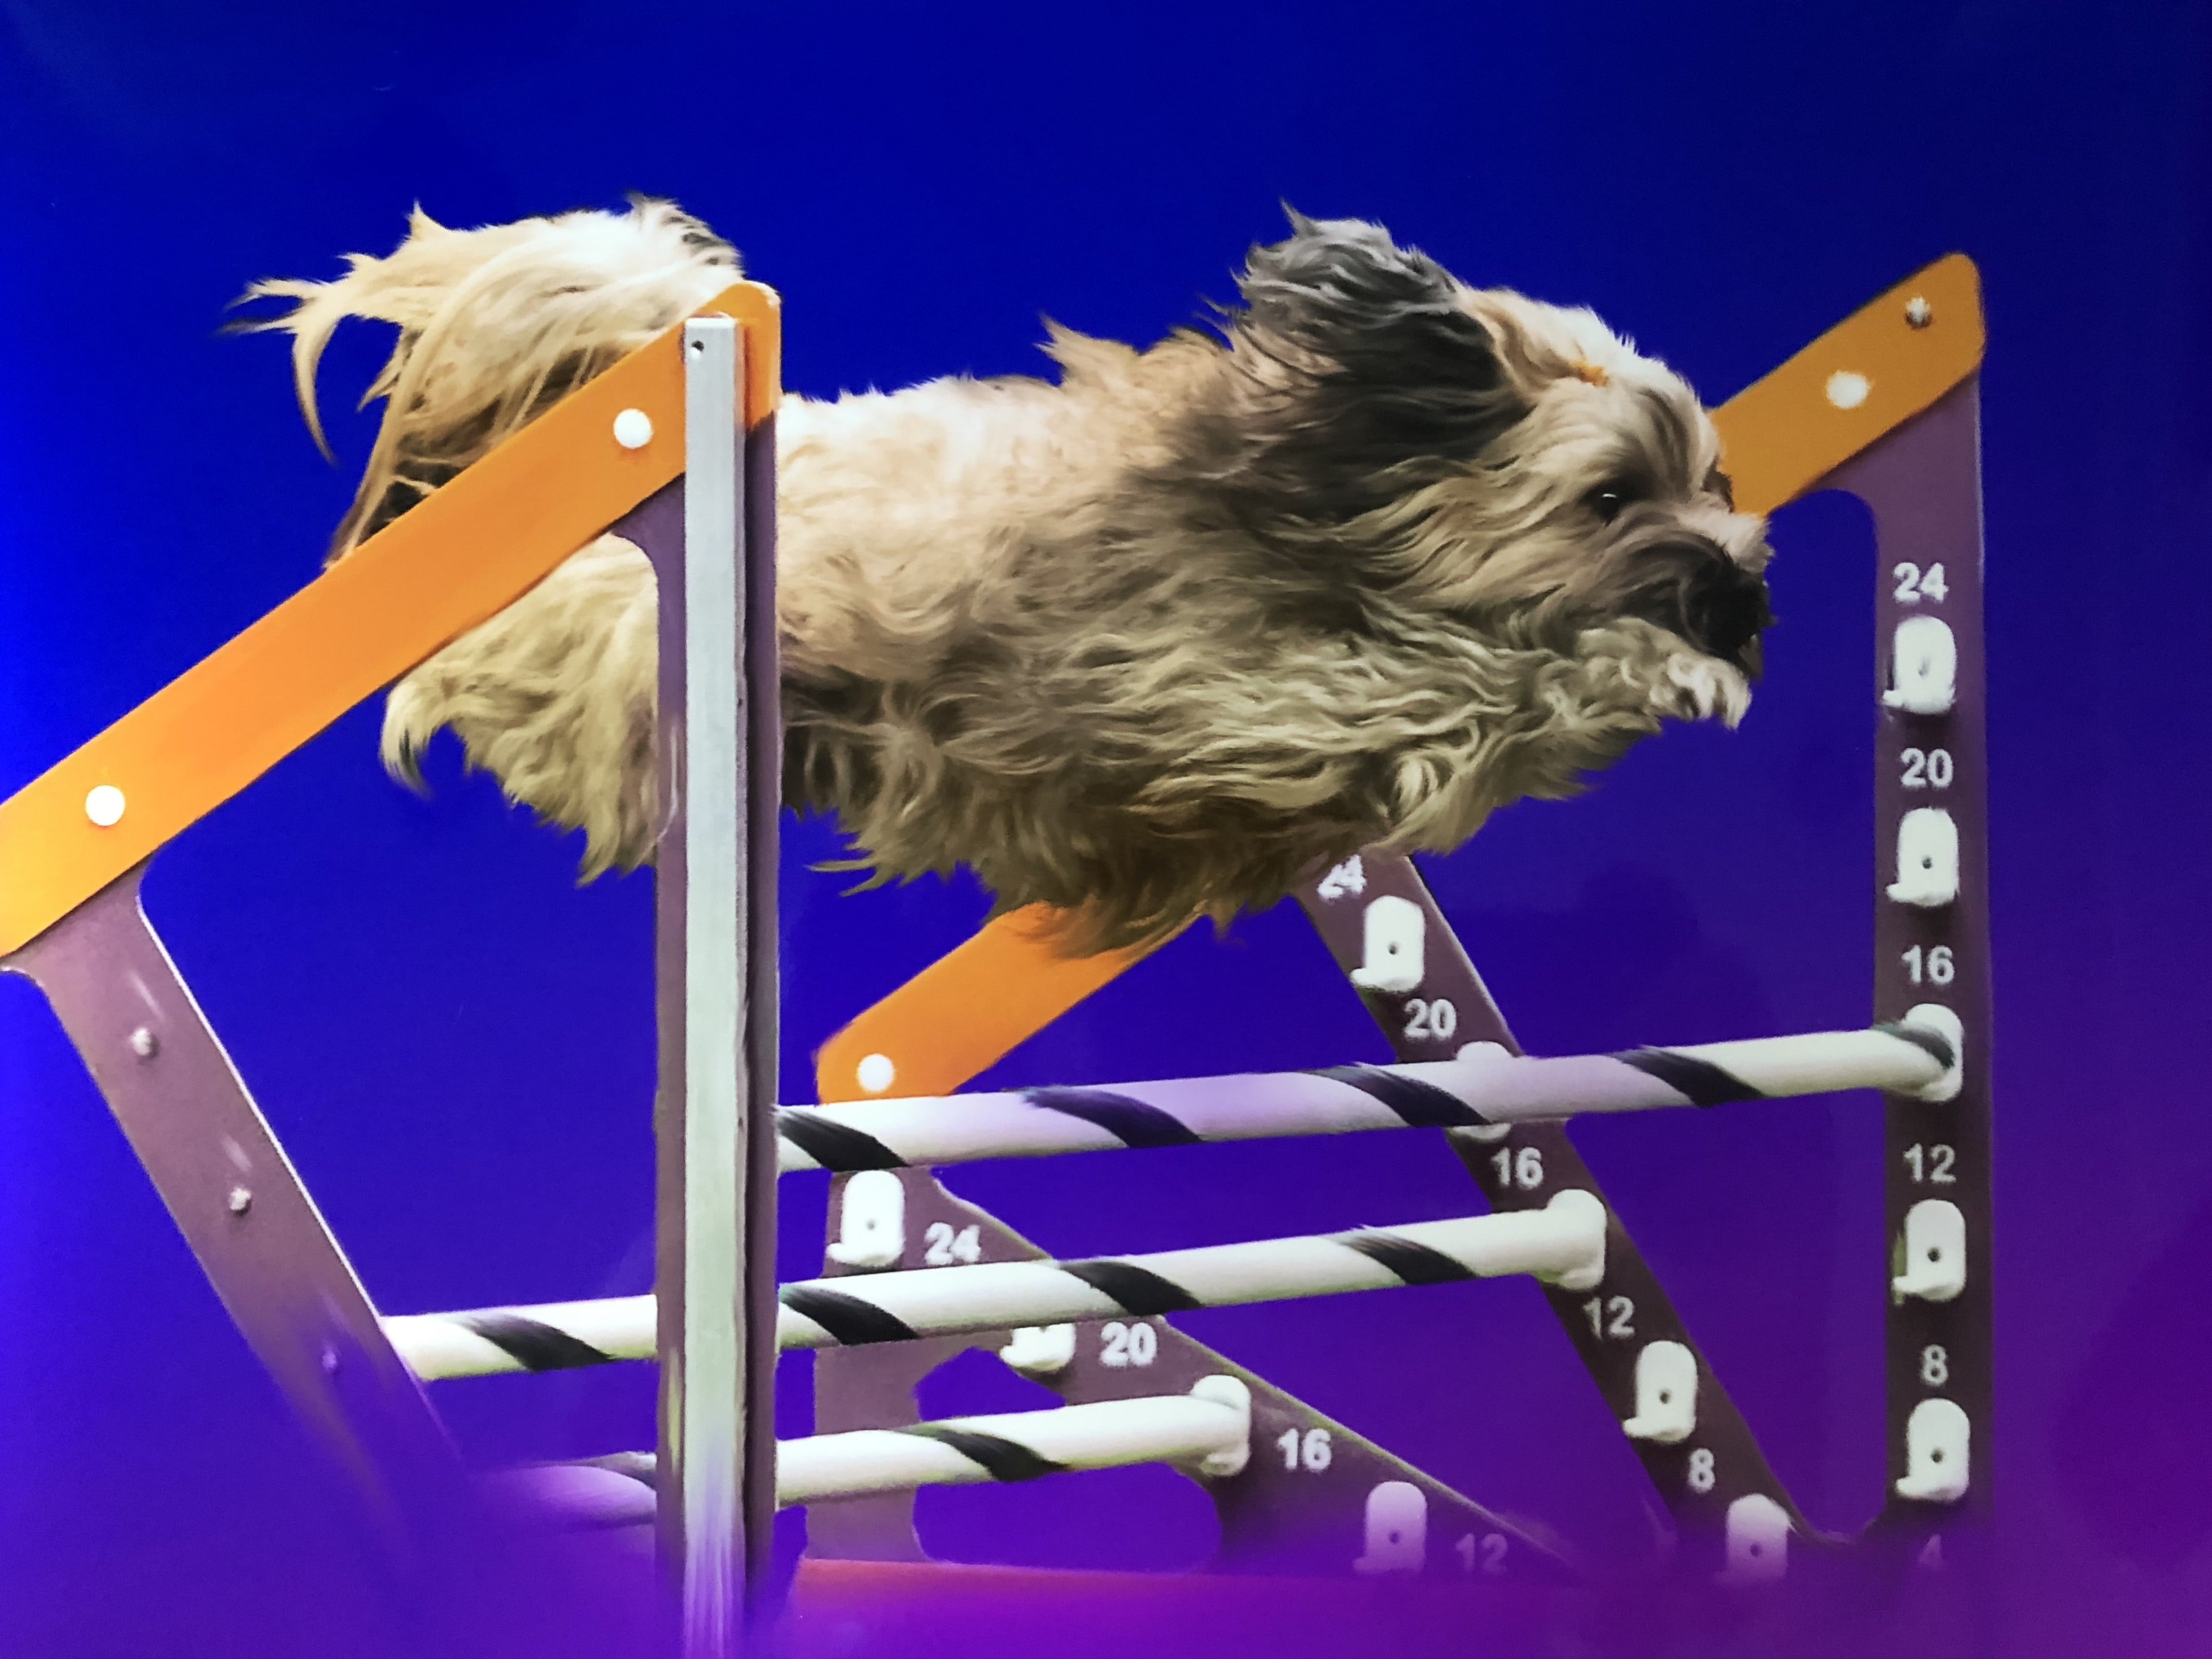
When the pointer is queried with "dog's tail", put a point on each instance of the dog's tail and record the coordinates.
(495, 325)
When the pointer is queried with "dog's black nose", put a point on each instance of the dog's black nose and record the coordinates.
(1715, 605)
(1724, 610)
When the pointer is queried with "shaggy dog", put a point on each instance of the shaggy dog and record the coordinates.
(1152, 640)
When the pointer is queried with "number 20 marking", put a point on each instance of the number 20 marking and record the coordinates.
(1123, 1345)
(1926, 768)
(1438, 1019)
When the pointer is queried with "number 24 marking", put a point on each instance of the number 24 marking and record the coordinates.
(1913, 584)
(942, 1247)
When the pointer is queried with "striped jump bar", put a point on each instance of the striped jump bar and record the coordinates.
(1485, 1086)
(1563, 1243)
(1207, 1432)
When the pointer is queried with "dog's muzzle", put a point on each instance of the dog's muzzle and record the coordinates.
(1710, 600)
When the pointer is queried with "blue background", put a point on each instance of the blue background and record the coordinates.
(455, 1041)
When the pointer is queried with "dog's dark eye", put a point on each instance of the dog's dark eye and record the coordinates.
(1608, 500)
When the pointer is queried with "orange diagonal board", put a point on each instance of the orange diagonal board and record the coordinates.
(1862, 379)
(1865, 376)
(966, 1009)
(468, 550)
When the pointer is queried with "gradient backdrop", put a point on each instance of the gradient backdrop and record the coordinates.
(455, 1041)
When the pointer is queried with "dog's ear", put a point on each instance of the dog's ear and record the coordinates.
(1389, 371)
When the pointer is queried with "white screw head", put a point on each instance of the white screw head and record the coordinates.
(633, 428)
(104, 804)
(240, 1200)
(1847, 389)
(144, 1043)
(876, 1073)
(1919, 313)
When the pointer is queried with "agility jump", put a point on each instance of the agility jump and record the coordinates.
(1465, 1093)
(672, 446)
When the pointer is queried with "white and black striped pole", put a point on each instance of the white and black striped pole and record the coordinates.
(551, 1336)
(1563, 1243)
(1208, 1432)
(1485, 1086)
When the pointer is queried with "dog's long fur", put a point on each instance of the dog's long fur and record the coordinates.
(1151, 641)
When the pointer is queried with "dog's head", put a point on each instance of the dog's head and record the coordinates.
(1474, 452)
(1507, 484)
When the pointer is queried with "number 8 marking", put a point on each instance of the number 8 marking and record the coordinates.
(1934, 1365)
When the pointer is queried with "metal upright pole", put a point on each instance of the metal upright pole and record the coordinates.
(717, 1012)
